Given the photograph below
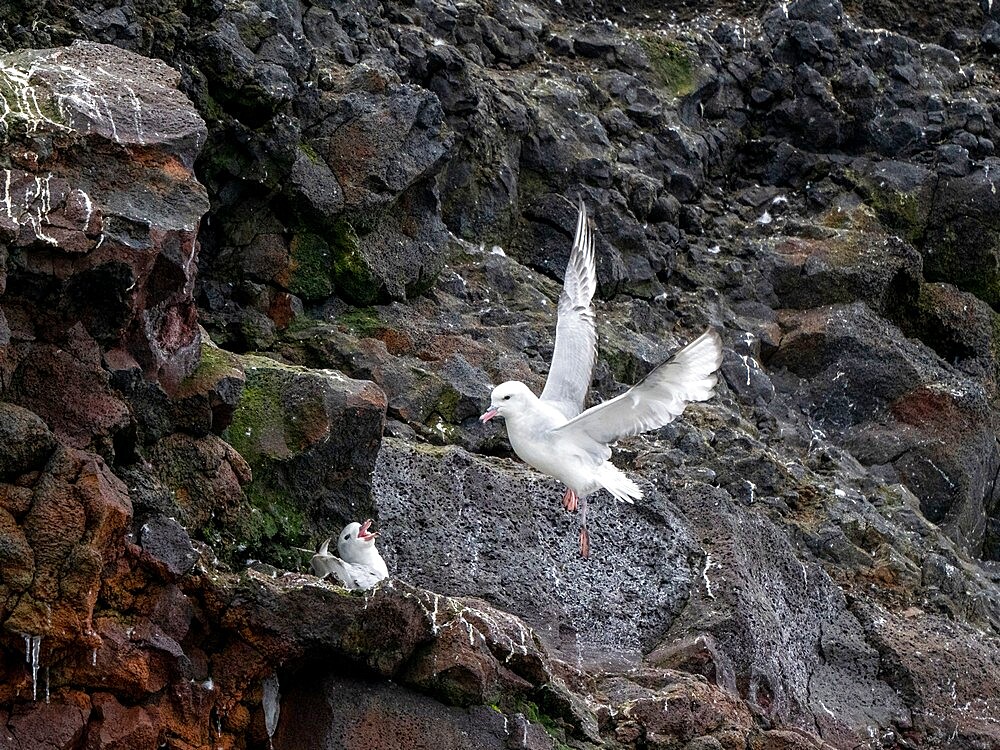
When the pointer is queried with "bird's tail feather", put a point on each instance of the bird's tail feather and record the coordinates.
(614, 480)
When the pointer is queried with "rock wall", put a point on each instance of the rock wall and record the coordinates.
(367, 207)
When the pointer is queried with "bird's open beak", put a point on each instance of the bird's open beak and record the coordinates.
(363, 534)
(492, 412)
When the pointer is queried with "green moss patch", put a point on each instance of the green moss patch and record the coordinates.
(903, 212)
(278, 418)
(33, 109)
(322, 265)
(268, 526)
(309, 276)
(553, 727)
(310, 152)
(350, 272)
(214, 365)
(264, 426)
(671, 62)
(363, 322)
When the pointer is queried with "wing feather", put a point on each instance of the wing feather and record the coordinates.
(656, 400)
(576, 334)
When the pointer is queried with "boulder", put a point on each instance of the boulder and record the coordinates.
(448, 519)
(854, 265)
(890, 402)
(73, 527)
(962, 246)
(310, 439)
(25, 441)
(78, 232)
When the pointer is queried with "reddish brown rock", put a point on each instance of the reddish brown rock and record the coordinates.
(204, 475)
(116, 727)
(74, 526)
(113, 250)
(59, 725)
(669, 709)
(355, 715)
(16, 557)
(88, 415)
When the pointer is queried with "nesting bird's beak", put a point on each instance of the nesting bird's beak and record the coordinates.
(363, 534)
(490, 413)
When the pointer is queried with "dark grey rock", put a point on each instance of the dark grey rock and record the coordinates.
(25, 441)
(511, 541)
(963, 237)
(168, 542)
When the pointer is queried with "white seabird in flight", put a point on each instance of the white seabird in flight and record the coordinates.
(554, 435)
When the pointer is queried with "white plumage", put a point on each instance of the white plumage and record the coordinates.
(552, 434)
(360, 566)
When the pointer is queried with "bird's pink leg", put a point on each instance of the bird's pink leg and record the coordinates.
(569, 500)
(584, 534)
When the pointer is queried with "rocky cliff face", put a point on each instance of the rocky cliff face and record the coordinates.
(260, 263)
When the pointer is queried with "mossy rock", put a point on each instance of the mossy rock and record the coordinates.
(901, 196)
(310, 267)
(860, 263)
(672, 63)
(263, 425)
(311, 438)
(350, 272)
(214, 364)
(363, 322)
(555, 728)
(966, 254)
(322, 265)
(269, 526)
(31, 110)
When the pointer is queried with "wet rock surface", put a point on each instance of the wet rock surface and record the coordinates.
(368, 208)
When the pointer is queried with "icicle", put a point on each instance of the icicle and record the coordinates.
(93, 657)
(46, 684)
(35, 648)
(271, 701)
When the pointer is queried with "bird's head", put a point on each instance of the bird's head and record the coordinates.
(356, 537)
(507, 400)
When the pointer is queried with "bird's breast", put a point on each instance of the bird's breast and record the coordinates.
(551, 455)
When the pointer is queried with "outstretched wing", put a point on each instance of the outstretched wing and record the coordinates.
(654, 401)
(576, 335)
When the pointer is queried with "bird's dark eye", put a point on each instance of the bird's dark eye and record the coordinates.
(506, 398)
(347, 536)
